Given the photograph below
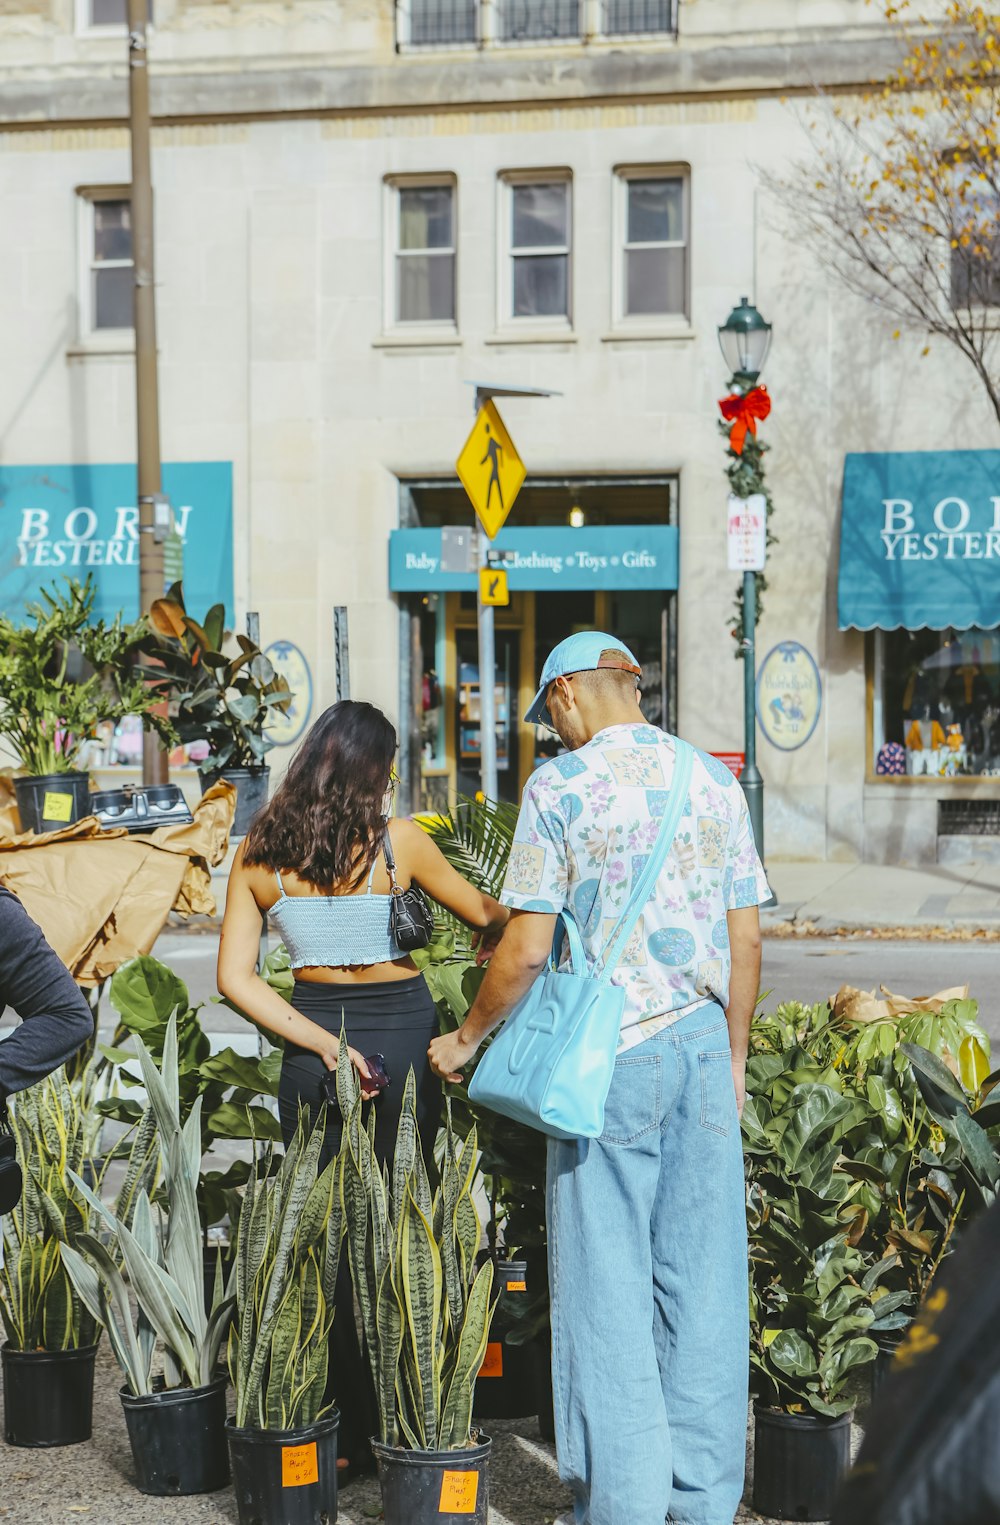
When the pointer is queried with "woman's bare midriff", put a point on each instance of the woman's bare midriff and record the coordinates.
(357, 974)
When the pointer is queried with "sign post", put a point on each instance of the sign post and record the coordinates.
(492, 473)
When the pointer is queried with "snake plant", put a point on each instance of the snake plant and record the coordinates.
(287, 1259)
(156, 1252)
(37, 1301)
(426, 1311)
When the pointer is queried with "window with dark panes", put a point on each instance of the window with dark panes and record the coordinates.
(655, 254)
(111, 278)
(536, 20)
(540, 249)
(975, 253)
(436, 23)
(425, 254)
(633, 18)
(112, 12)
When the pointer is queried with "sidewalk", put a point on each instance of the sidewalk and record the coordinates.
(824, 897)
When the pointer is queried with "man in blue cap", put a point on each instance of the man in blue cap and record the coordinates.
(646, 1225)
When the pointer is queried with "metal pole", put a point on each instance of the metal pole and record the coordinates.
(487, 688)
(341, 653)
(154, 758)
(751, 779)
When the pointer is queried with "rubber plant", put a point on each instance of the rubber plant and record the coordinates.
(425, 1309)
(155, 1251)
(287, 1259)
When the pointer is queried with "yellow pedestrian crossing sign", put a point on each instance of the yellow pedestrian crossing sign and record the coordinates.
(490, 469)
(493, 586)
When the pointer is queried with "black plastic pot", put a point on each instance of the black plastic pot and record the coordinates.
(285, 1477)
(507, 1386)
(48, 1396)
(887, 1344)
(434, 1487)
(799, 1460)
(52, 800)
(251, 786)
(178, 1439)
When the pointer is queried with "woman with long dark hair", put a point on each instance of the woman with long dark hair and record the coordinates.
(315, 861)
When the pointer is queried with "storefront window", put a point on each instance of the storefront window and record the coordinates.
(432, 644)
(937, 703)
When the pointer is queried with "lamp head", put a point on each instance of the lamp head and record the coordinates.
(745, 339)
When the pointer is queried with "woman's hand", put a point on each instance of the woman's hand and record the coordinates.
(487, 941)
(360, 1063)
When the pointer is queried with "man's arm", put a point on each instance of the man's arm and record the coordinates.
(56, 1019)
(744, 988)
(519, 959)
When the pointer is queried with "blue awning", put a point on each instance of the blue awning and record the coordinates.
(920, 541)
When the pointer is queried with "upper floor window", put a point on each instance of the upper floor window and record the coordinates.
(538, 20)
(107, 281)
(423, 257)
(975, 254)
(451, 23)
(539, 221)
(653, 278)
(635, 18)
(98, 14)
(438, 23)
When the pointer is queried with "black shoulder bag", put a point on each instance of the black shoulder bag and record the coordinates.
(411, 921)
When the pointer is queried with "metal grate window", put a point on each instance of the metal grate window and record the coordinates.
(436, 23)
(538, 20)
(630, 18)
(969, 818)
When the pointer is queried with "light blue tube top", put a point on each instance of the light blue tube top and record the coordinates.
(332, 931)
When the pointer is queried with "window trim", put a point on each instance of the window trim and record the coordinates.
(623, 322)
(548, 323)
(392, 324)
(87, 197)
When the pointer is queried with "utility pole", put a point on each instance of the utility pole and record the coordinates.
(487, 665)
(152, 521)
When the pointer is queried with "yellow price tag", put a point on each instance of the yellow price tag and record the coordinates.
(517, 1286)
(459, 1492)
(299, 1466)
(57, 807)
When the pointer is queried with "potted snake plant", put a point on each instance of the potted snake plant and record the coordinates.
(176, 1422)
(283, 1436)
(48, 1357)
(425, 1309)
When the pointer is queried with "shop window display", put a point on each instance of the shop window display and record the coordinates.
(938, 701)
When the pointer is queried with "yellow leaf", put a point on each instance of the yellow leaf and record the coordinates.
(896, 334)
(769, 1336)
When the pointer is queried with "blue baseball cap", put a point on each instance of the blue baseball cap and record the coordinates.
(579, 653)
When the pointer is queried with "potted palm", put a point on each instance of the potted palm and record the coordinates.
(176, 1421)
(48, 1357)
(64, 674)
(222, 700)
(283, 1436)
(425, 1310)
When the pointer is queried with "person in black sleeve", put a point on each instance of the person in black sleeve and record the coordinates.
(55, 1017)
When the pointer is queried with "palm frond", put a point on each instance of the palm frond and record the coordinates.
(475, 837)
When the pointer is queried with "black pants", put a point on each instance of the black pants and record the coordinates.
(395, 1018)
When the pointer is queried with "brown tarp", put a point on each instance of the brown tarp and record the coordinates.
(865, 1006)
(102, 897)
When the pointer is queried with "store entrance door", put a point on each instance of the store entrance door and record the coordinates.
(508, 656)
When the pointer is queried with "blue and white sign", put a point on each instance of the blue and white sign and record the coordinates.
(66, 521)
(286, 726)
(789, 696)
(920, 541)
(542, 558)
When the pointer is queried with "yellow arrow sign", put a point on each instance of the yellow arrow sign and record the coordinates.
(490, 469)
(493, 586)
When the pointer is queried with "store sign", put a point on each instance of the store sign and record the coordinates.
(789, 696)
(286, 726)
(746, 533)
(734, 761)
(68, 521)
(539, 559)
(920, 540)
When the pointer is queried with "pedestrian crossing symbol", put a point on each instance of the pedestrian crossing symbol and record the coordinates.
(490, 470)
(493, 586)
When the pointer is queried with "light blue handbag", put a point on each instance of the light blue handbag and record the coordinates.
(551, 1064)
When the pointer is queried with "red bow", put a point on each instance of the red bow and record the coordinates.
(742, 410)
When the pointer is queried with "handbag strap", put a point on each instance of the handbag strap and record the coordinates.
(624, 927)
(390, 863)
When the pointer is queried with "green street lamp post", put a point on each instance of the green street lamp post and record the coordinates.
(745, 339)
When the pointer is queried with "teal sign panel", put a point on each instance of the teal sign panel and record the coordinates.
(920, 541)
(66, 521)
(541, 559)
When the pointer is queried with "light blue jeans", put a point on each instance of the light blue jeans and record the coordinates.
(648, 1271)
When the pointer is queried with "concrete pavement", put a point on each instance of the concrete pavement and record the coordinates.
(828, 896)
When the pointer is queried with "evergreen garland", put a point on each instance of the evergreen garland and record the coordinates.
(746, 477)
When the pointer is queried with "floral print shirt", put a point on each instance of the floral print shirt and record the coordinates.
(587, 824)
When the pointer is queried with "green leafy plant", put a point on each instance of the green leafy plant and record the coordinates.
(47, 711)
(223, 700)
(964, 1109)
(287, 1258)
(39, 1308)
(158, 1249)
(148, 998)
(425, 1309)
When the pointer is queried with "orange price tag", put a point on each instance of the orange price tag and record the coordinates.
(492, 1361)
(299, 1466)
(459, 1492)
(517, 1286)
